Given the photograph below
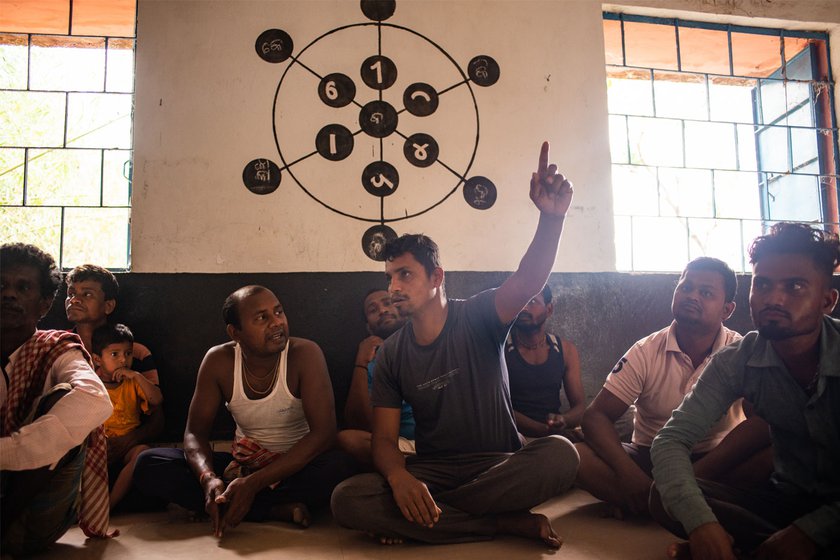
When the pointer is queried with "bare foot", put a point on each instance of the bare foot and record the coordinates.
(384, 539)
(296, 513)
(531, 526)
(679, 551)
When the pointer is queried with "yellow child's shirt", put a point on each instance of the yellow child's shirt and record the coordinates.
(129, 400)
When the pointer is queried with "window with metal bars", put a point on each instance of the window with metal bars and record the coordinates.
(717, 132)
(66, 110)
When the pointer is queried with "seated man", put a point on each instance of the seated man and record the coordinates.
(92, 293)
(382, 321)
(790, 370)
(51, 404)
(278, 391)
(539, 366)
(471, 478)
(655, 374)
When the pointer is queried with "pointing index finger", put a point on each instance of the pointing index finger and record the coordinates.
(543, 165)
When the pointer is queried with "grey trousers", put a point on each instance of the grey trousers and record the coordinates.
(470, 489)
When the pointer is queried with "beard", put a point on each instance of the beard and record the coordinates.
(772, 331)
(386, 330)
(528, 328)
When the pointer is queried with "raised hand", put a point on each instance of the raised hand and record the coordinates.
(550, 191)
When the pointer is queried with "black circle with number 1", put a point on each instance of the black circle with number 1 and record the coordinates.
(334, 142)
(378, 72)
(336, 90)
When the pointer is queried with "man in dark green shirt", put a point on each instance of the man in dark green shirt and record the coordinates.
(790, 370)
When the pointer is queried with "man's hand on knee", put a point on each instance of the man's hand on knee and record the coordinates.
(414, 500)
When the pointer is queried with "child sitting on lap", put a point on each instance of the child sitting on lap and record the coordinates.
(130, 393)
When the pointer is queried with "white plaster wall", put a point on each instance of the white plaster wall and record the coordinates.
(203, 110)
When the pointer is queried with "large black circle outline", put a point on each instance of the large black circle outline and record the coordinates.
(381, 219)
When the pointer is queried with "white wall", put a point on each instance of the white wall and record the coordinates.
(204, 109)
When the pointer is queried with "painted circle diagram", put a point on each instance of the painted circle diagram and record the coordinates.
(379, 138)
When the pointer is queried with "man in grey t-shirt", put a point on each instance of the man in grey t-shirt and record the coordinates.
(470, 478)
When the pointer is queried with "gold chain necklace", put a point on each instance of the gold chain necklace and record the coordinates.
(539, 344)
(273, 374)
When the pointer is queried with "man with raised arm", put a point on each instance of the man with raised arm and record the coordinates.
(790, 370)
(278, 391)
(654, 375)
(471, 478)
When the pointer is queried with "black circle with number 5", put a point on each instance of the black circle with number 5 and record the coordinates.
(380, 178)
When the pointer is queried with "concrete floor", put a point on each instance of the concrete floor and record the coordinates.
(576, 516)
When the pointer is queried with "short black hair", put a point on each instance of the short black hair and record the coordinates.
(230, 308)
(49, 276)
(711, 264)
(106, 335)
(822, 247)
(105, 277)
(420, 246)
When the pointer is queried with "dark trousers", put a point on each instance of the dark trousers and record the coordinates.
(470, 489)
(164, 473)
(750, 515)
(39, 505)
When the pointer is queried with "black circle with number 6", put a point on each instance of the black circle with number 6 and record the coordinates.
(337, 90)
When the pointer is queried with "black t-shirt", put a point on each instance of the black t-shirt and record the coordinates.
(457, 385)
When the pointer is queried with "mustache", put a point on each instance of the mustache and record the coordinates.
(774, 309)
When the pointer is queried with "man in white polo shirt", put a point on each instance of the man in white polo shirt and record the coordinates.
(655, 374)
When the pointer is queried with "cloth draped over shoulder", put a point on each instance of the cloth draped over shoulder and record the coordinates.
(26, 384)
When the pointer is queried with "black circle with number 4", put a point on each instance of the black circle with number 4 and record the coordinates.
(378, 72)
(274, 45)
(421, 150)
(380, 178)
(334, 142)
(337, 90)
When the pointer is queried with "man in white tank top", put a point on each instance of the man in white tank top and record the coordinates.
(278, 390)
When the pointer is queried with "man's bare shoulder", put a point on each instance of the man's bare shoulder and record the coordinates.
(219, 358)
(304, 349)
